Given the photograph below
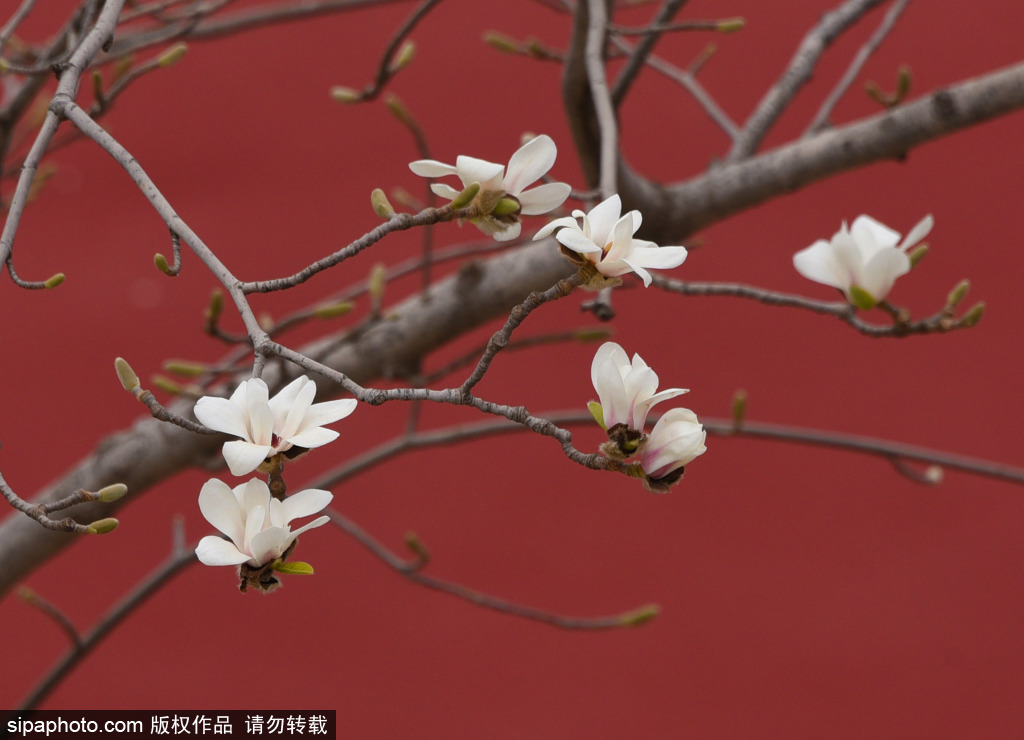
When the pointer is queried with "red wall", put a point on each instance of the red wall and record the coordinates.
(804, 591)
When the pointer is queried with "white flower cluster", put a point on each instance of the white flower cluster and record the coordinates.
(256, 523)
(627, 390)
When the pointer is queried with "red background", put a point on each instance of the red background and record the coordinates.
(804, 592)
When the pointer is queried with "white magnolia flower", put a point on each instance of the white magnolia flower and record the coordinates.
(675, 441)
(270, 425)
(255, 522)
(627, 390)
(530, 162)
(862, 261)
(606, 240)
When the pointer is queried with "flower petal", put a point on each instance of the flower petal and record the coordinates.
(471, 169)
(602, 219)
(657, 258)
(564, 222)
(531, 161)
(220, 508)
(269, 544)
(222, 415)
(244, 457)
(215, 551)
(919, 232)
(819, 263)
(298, 505)
(508, 233)
(444, 191)
(328, 412)
(313, 437)
(431, 168)
(543, 198)
(575, 241)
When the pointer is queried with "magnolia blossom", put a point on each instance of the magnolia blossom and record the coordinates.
(268, 426)
(675, 441)
(626, 389)
(862, 261)
(530, 162)
(255, 522)
(606, 241)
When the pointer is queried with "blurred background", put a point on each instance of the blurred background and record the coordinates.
(804, 591)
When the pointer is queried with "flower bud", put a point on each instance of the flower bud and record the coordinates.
(129, 380)
(54, 280)
(640, 616)
(416, 547)
(376, 283)
(333, 310)
(216, 306)
(917, 254)
(934, 474)
(594, 334)
(405, 55)
(112, 492)
(381, 205)
(597, 411)
(165, 384)
(121, 67)
(958, 293)
(103, 526)
(398, 110)
(294, 568)
(185, 369)
(172, 56)
(739, 408)
(464, 198)
(731, 25)
(501, 42)
(345, 94)
(161, 263)
(973, 315)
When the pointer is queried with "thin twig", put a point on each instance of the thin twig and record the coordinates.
(636, 62)
(799, 71)
(412, 570)
(14, 21)
(50, 610)
(821, 118)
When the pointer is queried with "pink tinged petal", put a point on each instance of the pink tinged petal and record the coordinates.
(222, 415)
(269, 544)
(603, 217)
(299, 505)
(558, 223)
(640, 384)
(471, 169)
(444, 191)
(220, 508)
(819, 262)
(529, 163)
(215, 551)
(919, 232)
(575, 241)
(244, 457)
(431, 168)
(544, 198)
(313, 437)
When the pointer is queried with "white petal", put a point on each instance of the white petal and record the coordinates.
(544, 198)
(269, 544)
(471, 169)
(508, 233)
(257, 406)
(431, 168)
(611, 392)
(657, 258)
(319, 522)
(873, 234)
(621, 239)
(313, 437)
(639, 270)
(819, 263)
(444, 191)
(564, 222)
(575, 241)
(531, 161)
(285, 399)
(301, 504)
(220, 508)
(215, 551)
(222, 415)
(244, 457)
(919, 232)
(603, 217)
(328, 412)
(296, 414)
(881, 272)
(253, 495)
